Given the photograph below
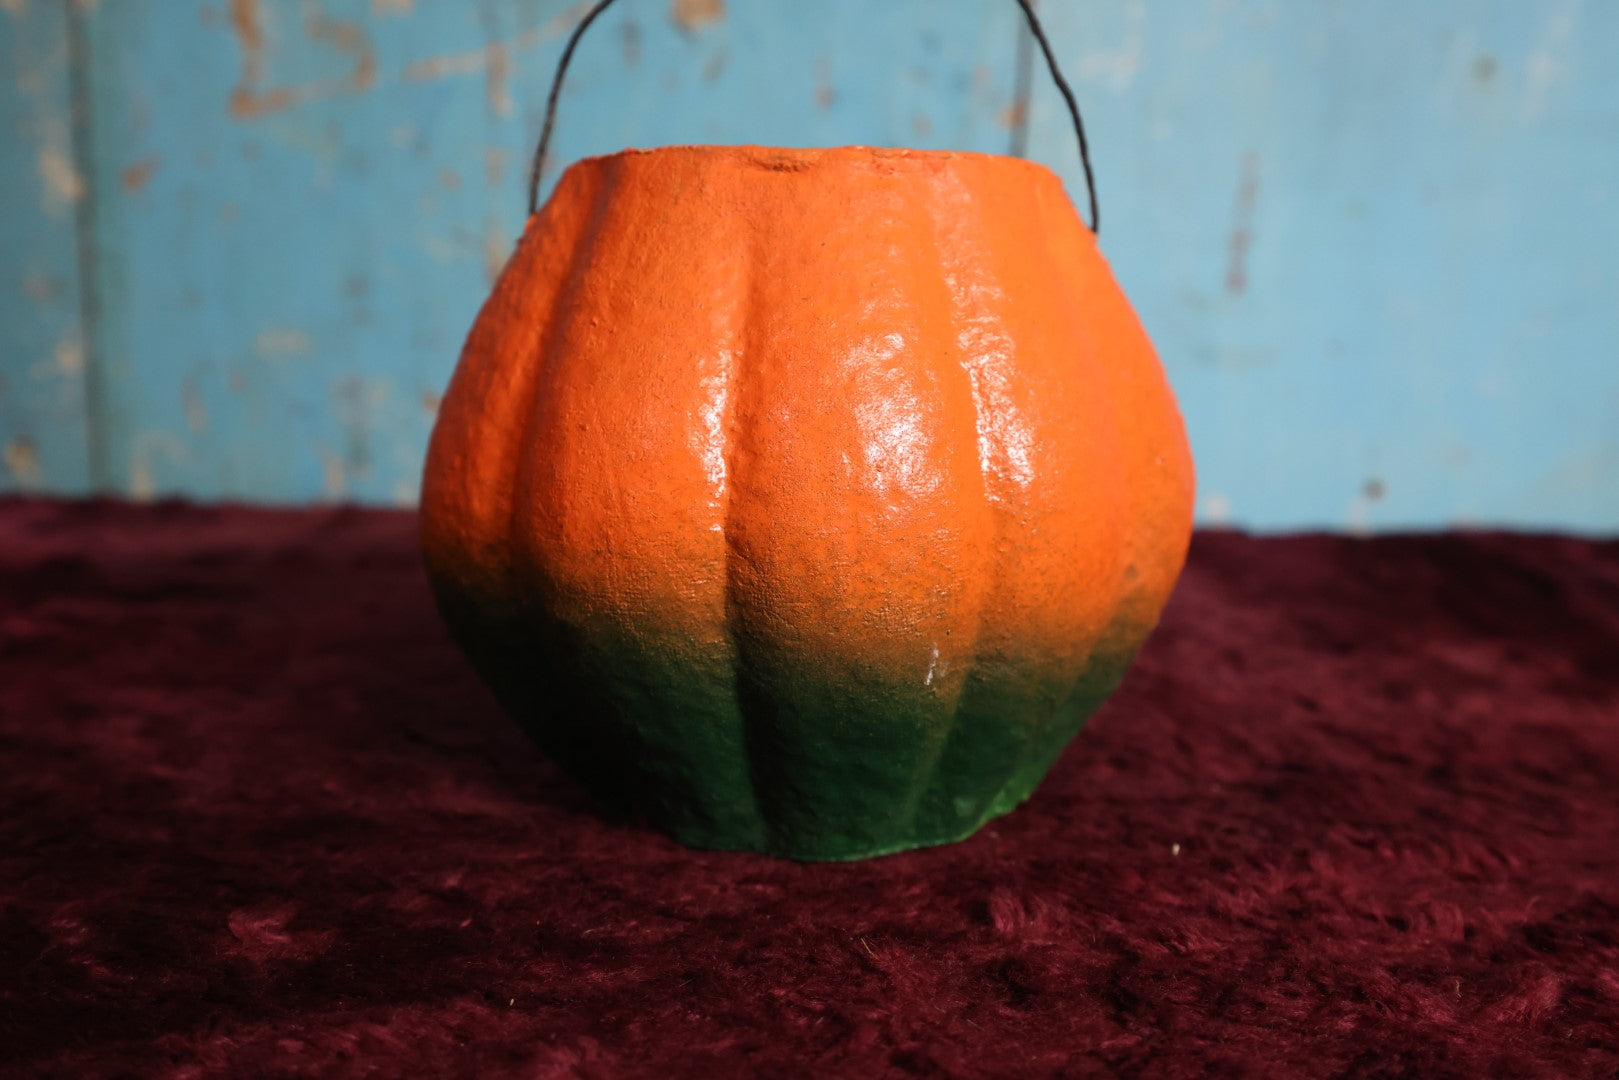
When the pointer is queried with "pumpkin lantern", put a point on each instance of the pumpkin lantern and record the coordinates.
(806, 501)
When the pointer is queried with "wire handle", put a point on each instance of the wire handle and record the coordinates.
(600, 6)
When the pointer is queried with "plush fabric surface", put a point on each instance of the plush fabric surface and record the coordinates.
(1354, 813)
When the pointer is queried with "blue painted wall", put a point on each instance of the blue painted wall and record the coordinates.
(1377, 242)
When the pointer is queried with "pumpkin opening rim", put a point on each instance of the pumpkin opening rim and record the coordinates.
(774, 157)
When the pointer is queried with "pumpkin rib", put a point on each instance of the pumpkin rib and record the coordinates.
(569, 743)
(993, 284)
(738, 390)
(841, 573)
(1138, 391)
(1075, 705)
(639, 573)
(926, 799)
(468, 497)
(463, 495)
(1157, 462)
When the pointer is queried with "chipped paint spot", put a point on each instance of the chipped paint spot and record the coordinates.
(1359, 519)
(404, 494)
(1236, 275)
(391, 7)
(715, 64)
(689, 15)
(21, 457)
(495, 247)
(62, 182)
(629, 43)
(1548, 63)
(1216, 509)
(42, 288)
(15, 8)
(1374, 490)
(347, 37)
(495, 82)
(1484, 68)
(826, 95)
(69, 356)
(430, 402)
(136, 176)
(1013, 116)
(474, 61)
(494, 165)
(334, 481)
(1116, 68)
(449, 179)
(358, 400)
(191, 404)
(281, 341)
(146, 446)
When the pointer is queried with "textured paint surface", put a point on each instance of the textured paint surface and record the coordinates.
(807, 500)
(1376, 243)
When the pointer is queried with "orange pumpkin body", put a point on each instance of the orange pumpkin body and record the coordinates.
(806, 500)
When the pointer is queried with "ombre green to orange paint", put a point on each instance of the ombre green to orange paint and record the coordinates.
(806, 501)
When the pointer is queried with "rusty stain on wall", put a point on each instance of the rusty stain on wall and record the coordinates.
(135, 177)
(248, 100)
(691, 14)
(15, 8)
(1236, 275)
(281, 341)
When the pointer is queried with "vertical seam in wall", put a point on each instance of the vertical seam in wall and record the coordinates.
(1022, 88)
(81, 125)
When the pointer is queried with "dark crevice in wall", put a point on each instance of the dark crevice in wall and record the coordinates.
(81, 123)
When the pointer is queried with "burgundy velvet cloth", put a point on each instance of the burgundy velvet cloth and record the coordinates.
(1354, 813)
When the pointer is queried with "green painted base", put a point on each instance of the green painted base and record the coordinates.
(804, 758)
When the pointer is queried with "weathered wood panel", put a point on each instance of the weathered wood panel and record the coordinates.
(1377, 242)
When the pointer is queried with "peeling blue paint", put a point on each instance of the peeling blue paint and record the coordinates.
(1380, 265)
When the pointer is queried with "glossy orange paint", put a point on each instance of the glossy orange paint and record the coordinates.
(798, 475)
